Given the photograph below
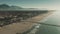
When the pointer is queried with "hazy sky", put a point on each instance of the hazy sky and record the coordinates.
(48, 4)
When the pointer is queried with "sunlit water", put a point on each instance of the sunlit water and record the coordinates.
(53, 19)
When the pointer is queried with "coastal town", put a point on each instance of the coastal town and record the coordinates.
(9, 17)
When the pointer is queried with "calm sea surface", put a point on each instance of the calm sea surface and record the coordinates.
(54, 19)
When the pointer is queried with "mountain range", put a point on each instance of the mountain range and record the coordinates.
(5, 6)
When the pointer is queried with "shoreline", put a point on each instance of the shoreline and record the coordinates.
(22, 26)
(35, 27)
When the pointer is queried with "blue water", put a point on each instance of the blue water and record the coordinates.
(53, 19)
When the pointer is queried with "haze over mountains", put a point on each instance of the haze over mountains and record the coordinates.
(13, 7)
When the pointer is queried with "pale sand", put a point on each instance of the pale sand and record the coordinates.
(22, 26)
